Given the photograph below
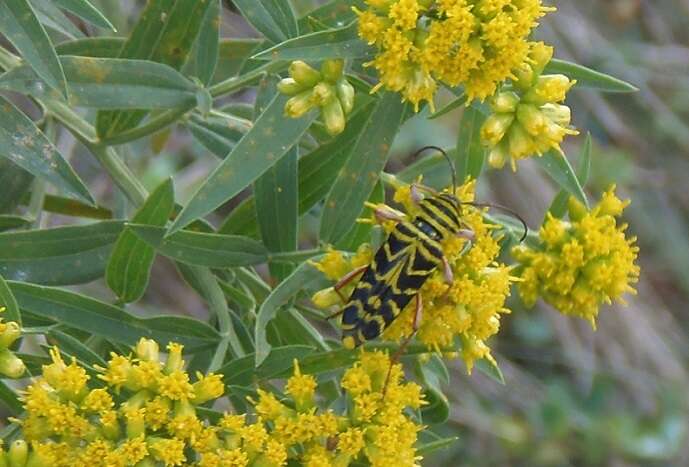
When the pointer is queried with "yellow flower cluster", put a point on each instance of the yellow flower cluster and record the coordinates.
(11, 366)
(327, 89)
(528, 117)
(583, 263)
(145, 415)
(474, 43)
(468, 309)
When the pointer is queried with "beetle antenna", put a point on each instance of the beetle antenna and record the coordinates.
(512, 212)
(447, 158)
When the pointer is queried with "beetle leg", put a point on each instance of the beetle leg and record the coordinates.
(447, 272)
(346, 279)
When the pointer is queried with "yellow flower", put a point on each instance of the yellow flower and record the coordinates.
(168, 451)
(458, 42)
(207, 387)
(176, 386)
(301, 388)
(583, 263)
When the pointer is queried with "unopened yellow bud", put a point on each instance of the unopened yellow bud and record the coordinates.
(304, 74)
(504, 102)
(300, 104)
(557, 113)
(11, 333)
(332, 70)
(11, 365)
(495, 127)
(136, 425)
(333, 117)
(541, 54)
(520, 143)
(326, 298)
(549, 88)
(498, 156)
(148, 350)
(207, 388)
(174, 359)
(18, 453)
(524, 77)
(345, 93)
(531, 118)
(611, 205)
(323, 93)
(576, 208)
(290, 87)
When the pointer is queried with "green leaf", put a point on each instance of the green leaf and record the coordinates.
(9, 303)
(15, 182)
(8, 222)
(360, 173)
(111, 83)
(101, 47)
(272, 18)
(304, 277)
(332, 14)
(589, 78)
(490, 369)
(165, 33)
(455, 103)
(110, 322)
(129, 266)
(219, 132)
(72, 346)
(265, 144)
(62, 255)
(242, 371)
(317, 172)
(19, 24)
(9, 399)
(203, 249)
(53, 18)
(84, 10)
(334, 43)
(471, 154)
(436, 445)
(24, 144)
(70, 207)
(361, 232)
(558, 168)
(233, 55)
(208, 43)
(276, 195)
(437, 408)
(558, 208)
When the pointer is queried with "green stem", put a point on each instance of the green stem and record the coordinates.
(235, 83)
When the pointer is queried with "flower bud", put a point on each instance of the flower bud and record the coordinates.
(520, 143)
(18, 453)
(11, 365)
(611, 205)
(334, 118)
(11, 333)
(558, 114)
(326, 298)
(531, 118)
(504, 102)
(498, 156)
(323, 93)
(290, 87)
(174, 359)
(332, 70)
(147, 350)
(549, 88)
(345, 93)
(304, 74)
(525, 77)
(495, 127)
(300, 104)
(136, 425)
(576, 208)
(541, 54)
(207, 388)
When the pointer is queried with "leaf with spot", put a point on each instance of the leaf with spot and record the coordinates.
(272, 18)
(218, 132)
(165, 33)
(111, 83)
(19, 24)
(129, 266)
(58, 256)
(26, 146)
(360, 173)
(86, 314)
(343, 42)
(264, 144)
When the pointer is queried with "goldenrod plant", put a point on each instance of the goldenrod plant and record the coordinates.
(238, 233)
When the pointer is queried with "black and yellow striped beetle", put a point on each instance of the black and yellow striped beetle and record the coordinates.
(408, 257)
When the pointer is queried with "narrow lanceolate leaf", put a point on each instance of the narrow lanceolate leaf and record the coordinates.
(332, 14)
(74, 347)
(558, 208)
(304, 277)
(470, 154)
(589, 78)
(8, 222)
(24, 144)
(268, 140)
(219, 132)
(203, 249)
(77, 311)
(84, 10)
(53, 18)
(361, 232)
(111, 83)
(361, 171)
(130, 262)
(59, 256)
(272, 18)
(19, 24)
(208, 43)
(455, 103)
(165, 33)
(558, 168)
(15, 182)
(100, 47)
(9, 304)
(9, 398)
(334, 43)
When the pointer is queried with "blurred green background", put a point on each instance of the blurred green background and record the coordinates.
(615, 397)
